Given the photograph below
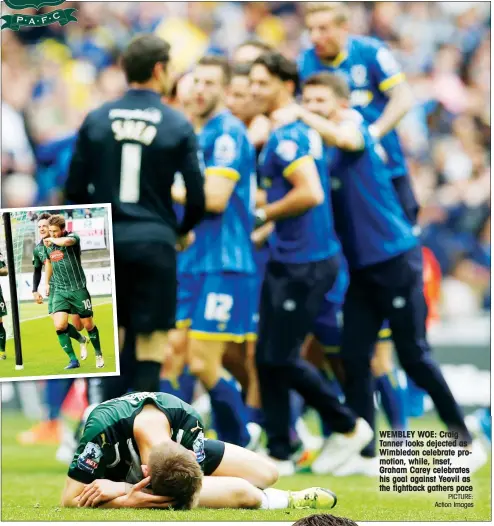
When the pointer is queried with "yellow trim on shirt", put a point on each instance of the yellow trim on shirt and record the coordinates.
(229, 173)
(392, 82)
(331, 349)
(183, 324)
(222, 337)
(288, 171)
(384, 334)
(338, 60)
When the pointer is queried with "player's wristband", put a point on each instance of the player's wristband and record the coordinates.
(261, 217)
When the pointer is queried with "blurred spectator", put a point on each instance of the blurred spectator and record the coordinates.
(53, 76)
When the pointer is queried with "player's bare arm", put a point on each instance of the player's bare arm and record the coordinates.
(103, 493)
(259, 130)
(401, 101)
(179, 194)
(139, 497)
(261, 197)
(306, 193)
(260, 235)
(62, 241)
(218, 190)
(343, 134)
(4, 271)
(76, 494)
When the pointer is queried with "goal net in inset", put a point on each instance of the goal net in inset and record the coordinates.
(12, 235)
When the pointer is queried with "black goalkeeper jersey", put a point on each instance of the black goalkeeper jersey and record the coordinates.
(127, 154)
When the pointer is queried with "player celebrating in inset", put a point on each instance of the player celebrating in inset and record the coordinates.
(3, 311)
(156, 441)
(63, 262)
(39, 257)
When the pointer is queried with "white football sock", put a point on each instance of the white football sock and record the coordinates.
(274, 499)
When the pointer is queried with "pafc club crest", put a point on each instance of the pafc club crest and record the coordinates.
(15, 21)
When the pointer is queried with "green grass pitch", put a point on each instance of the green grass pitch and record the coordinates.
(32, 481)
(41, 352)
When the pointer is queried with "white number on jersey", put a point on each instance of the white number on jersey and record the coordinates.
(218, 307)
(87, 304)
(130, 173)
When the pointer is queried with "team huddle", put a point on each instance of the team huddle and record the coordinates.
(305, 259)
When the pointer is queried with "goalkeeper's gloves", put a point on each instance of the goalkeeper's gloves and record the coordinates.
(261, 217)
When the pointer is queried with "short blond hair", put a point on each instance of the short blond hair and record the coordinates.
(340, 9)
(57, 220)
(175, 473)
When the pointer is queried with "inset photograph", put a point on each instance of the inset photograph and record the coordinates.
(57, 308)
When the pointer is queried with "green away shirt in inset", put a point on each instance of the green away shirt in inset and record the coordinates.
(68, 274)
(39, 257)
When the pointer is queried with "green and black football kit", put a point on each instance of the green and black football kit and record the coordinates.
(68, 279)
(108, 450)
(70, 294)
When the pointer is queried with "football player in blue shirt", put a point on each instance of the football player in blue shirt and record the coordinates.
(216, 295)
(381, 248)
(328, 327)
(240, 103)
(303, 266)
(379, 90)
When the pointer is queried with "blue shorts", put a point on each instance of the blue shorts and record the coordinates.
(329, 324)
(219, 307)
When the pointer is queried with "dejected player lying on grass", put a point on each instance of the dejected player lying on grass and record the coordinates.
(147, 450)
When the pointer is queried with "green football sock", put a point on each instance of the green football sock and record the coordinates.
(75, 334)
(66, 344)
(94, 337)
(3, 338)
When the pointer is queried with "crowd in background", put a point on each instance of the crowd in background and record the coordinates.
(72, 213)
(52, 76)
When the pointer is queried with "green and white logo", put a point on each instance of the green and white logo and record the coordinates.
(17, 20)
